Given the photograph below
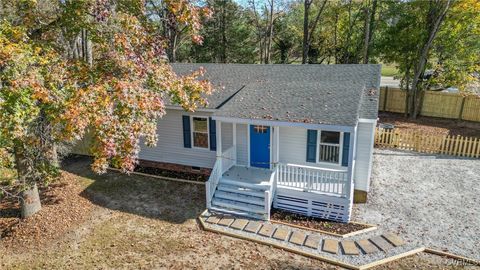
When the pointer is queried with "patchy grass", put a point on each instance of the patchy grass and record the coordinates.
(390, 70)
(145, 223)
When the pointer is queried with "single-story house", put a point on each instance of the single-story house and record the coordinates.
(295, 137)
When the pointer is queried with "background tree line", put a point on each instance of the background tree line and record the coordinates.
(441, 36)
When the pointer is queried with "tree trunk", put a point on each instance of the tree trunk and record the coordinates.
(407, 89)
(423, 56)
(223, 28)
(369, 31)
(335, 50)
(367, 36)
(30, 202)
(270, 34)
(30, 198)
(305, 31)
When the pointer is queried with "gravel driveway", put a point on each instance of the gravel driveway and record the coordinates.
(430, 200)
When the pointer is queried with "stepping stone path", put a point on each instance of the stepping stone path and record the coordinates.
(381, 243)
(214, 219)
(330, 246)
(305, 238)
(298, 238)
(281, 234)
(349, 248)
(393, 239)
(266, 230)
(226, 221)
(313, 241)
(253, 226)
(239, 224)
(366, 246)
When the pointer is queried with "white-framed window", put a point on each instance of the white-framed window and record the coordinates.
(329, 147)
(200, 136)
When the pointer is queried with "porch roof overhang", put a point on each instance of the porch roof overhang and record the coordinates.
(264, 122)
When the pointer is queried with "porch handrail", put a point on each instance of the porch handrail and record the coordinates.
(222, 164)
(229, 158)
(313, 179)
(315, 168)
(211, 184)
(270, 193)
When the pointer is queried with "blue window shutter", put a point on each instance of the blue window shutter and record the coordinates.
(311, 145)
(346, 148)
(213, 134)
(187, 139)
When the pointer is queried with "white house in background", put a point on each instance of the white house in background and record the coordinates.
(295, 137)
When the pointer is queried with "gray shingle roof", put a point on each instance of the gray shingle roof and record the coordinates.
(317, 94)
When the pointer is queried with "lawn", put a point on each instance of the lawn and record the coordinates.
(136, 222)
(389, 70)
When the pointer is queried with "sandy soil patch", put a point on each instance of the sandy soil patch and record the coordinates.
(432, 125)
(429, 200)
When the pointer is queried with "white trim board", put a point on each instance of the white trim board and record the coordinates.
(173, 107)
(282, 123)
(364, 120)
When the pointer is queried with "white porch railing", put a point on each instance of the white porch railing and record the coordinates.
(222, 164)
(229, 159)
(313, 179)
(270, 193)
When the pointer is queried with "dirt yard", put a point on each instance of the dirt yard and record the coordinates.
(432, 125)
(134, 222)
(430, 200)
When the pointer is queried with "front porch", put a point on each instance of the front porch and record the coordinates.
(252, 189)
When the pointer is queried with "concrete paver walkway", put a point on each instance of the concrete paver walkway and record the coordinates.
(368, 247)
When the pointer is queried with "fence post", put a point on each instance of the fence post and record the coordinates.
(462, 106)
(385, 98)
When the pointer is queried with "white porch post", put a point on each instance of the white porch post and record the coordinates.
(234, 140)
(234, 134)
(276, 134)
(351, 169)
(219, 144)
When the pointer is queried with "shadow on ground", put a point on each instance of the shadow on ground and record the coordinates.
(149, 197)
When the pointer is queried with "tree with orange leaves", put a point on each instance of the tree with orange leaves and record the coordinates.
(48, 98)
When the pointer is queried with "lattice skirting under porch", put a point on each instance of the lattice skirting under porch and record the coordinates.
(313, 204)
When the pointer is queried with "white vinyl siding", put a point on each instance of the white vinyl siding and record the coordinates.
(227, 136)
(170, 147)
(293, 147)
(364, 153)
(242, 145)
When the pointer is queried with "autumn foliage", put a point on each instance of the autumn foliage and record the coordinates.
(47, 98)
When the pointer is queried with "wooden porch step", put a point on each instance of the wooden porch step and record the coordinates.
(241, 190)
(239, 197)
(255, 187)
(246, 207)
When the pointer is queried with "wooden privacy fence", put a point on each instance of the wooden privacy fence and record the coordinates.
(435, 104)
(426, 143)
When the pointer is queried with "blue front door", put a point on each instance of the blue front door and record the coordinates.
(260, 146)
